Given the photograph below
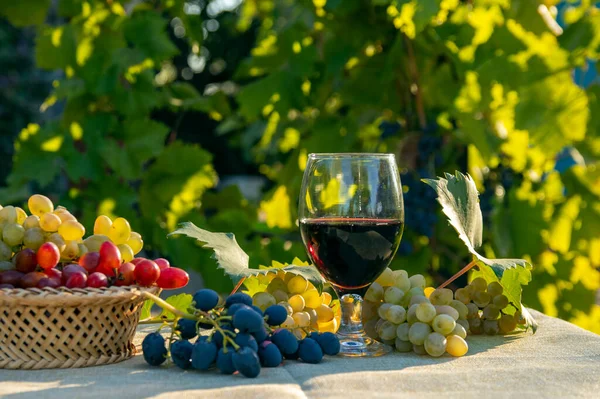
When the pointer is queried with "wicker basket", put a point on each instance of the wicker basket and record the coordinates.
(68, 328)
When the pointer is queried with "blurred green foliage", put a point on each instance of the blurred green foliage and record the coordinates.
(489, 79)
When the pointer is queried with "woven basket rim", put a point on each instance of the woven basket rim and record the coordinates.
(62, 296)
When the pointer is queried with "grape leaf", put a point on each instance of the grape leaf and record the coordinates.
(180, 302)
(234, 261)
(459, 198)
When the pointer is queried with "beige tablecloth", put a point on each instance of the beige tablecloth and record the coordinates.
(561, 360)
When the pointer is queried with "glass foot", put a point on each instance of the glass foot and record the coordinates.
(362, 347)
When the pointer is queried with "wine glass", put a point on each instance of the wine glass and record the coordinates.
(351, 215)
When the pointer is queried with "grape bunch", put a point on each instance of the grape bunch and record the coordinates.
(489, 310)
(47, 249)
(306, 307)
(240, 337)
(401, 311)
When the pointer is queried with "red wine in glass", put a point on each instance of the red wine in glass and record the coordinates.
(351, 252)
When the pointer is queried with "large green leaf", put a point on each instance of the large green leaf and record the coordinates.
(23, 13)
(234, 261)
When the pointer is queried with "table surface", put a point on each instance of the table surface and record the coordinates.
(560, 360)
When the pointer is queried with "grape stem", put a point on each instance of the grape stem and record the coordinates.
(460, 273)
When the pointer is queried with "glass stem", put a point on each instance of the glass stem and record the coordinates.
(351, 325)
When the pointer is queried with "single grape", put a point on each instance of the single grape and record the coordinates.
(478, 285)
(110, 260)
(464, 323)
(263, 300)
(425, 312)
(50, 222)
(33, 238)
(11, 277)
(312, 298)
(275, 315)
(396, 314)
(463, 295)
(48, 283)
(329, 343)
(76, 280)
(25, 260)
(289, 322)
(494, 288)
(387, 330)
(21, 215)
(181, 354)
(261, 335)
(225, 361)
(285, 341)
(102, 225)
(280, 296)
(473, 310)
(475, 325)
(507, 323)
(5, 251)
(460, 330)
(403, 346)
(302, 319)
(402, 331)
(490, 312)
(89, 261)
(401, 280)
(162, 263)
(205, 299)
(276, 284)
(172, 278)
(119, 231)
(491, 327)
(310, 351)
(447, 309)
(71, 269)
(31, 280)
(94, 242)
(247, 320)
(441, 296)
(461, 308)
(48, 255)
(8, 214)
(64, 215)
(126, 252)
(443, 324)
(456, 345)
(297, 303)
(287, 308)
(70, 251)
(435, 344)
(417, 280)
(386, 278)
(39, 204)
(125, 274)
(71, 230)
(246, 361)
(146, 272)
(204, 354)
(135, 242)
(374, 293)
(238, 297)
(500, 301)
(411, 314)
(297, 285)
(418, 332)
(381, 312)
(419, 349)
(269, 354)
(393, 295)
(97, 280)
(13, 234)
(519, 318)
(326, 298)
(154, 349)
(58, 240)
(481, 299)
(31, 221)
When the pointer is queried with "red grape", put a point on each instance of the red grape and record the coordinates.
(71, 269)
(54, 274)
(48, 255)
(32, 279)
(6, 286)
(48, 282)
(126, 274)
(135, 261)
(89, 261)
(26, 260)
(97, 280)
(172, 278)
(162, 263)
(11, 277)
(146, 273)
(110, 259)
(76, 280)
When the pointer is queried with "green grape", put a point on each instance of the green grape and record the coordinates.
(490, 312)
(94, 242)
(473, 310)
(417, 299)
(297, 285)
(386, 278)
(280, 296)
(481, 299)
(402, 331)
(102, 225)
(478, 285)
(33, 238)
(9, 214)
(500, 301)
(276, 284)
(419, 349)
(519, 318)
(401, 280)
(507, 323)
(6, 265)
(435, 344)
(387, 330)
(288, 323)
(49, 222)
(463, 295)
(460, 307)
(383, 310)
(396, 314)
(494, 288)
(374, 293)
(58, 240)
(447, 309)
(312, 298)
(13, 234)
(314, 318)
(5, 251)
(297, 303)
(71, 250)
(302, 319)
(425, 312)
(411, 314)
(82, 249)
(417, 281)
(418, 332)
(416, 291)
(39, 204)
(287, 307)
(475, 325)
(370, 328)
(393, 295)
(441, 296)
(119, 232)
(325, 313)
(369, 310)
(491, 327)
(459, 330)
(403, 346)
(456, 346)
(443, 324)
(464, 323)
(263, 300)
(31, 221)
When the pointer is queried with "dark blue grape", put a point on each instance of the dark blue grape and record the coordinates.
(238, 297)
(285, 341)
(217, 337)
(206, 299)
(310, 351)
(235, 307)
(187, 328)
(155, 351)
(247, 320)
(181, 354)
(246, 361)
(244, 339)
(269, 354)
(225, 361)
(329, 343)
(261, 335)
(257, 310)
(276, 314)
(204, 354)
